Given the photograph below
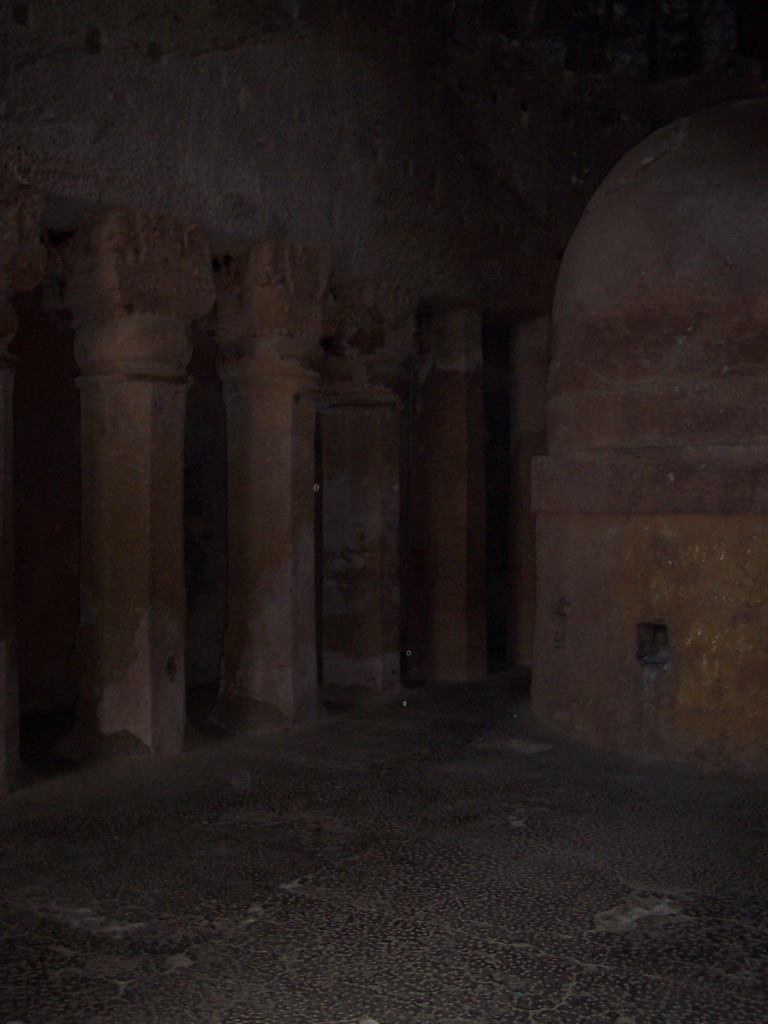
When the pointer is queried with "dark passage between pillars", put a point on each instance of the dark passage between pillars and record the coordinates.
(498, 417)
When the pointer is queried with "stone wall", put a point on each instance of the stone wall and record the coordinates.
(450, 145)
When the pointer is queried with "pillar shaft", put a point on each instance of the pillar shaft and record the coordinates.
(270, 659)
(361, 561)
(447, 611)
(269, 328)
(530, 363)
(134, 283)
(131, 638)
(362, 437)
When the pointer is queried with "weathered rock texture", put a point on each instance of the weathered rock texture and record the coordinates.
(653, 507)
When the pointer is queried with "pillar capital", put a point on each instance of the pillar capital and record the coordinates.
(135, 346)
(373, 325)
(452, 341)
(129, 262)
(270, 302)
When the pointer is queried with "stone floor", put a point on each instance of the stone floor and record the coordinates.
(429, 862)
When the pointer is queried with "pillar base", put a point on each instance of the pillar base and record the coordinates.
(357, 695)
(82, 746)
(240, 715)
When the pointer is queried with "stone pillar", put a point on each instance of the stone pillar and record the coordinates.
(135, 281)
(447, 613)
(22, 261)
(530, 364)
(269, 305)
(361, 442)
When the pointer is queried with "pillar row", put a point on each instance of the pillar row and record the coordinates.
(269, 328)
(22, 262)
(361, 444)
(135, 282)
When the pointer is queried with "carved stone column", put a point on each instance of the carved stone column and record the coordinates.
(22, 262)
(361, 442)
(134, 283)
(269, 312)
(447, 606)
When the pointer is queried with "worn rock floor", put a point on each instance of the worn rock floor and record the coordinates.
(419, 864)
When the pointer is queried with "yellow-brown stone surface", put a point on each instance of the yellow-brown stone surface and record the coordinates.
(705, 578)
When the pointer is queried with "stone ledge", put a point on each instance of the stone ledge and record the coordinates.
(707, 479)
(724, 411)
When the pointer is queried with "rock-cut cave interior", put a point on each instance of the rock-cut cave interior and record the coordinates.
(384, 512)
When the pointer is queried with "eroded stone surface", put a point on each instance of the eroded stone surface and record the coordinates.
(416, 865)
